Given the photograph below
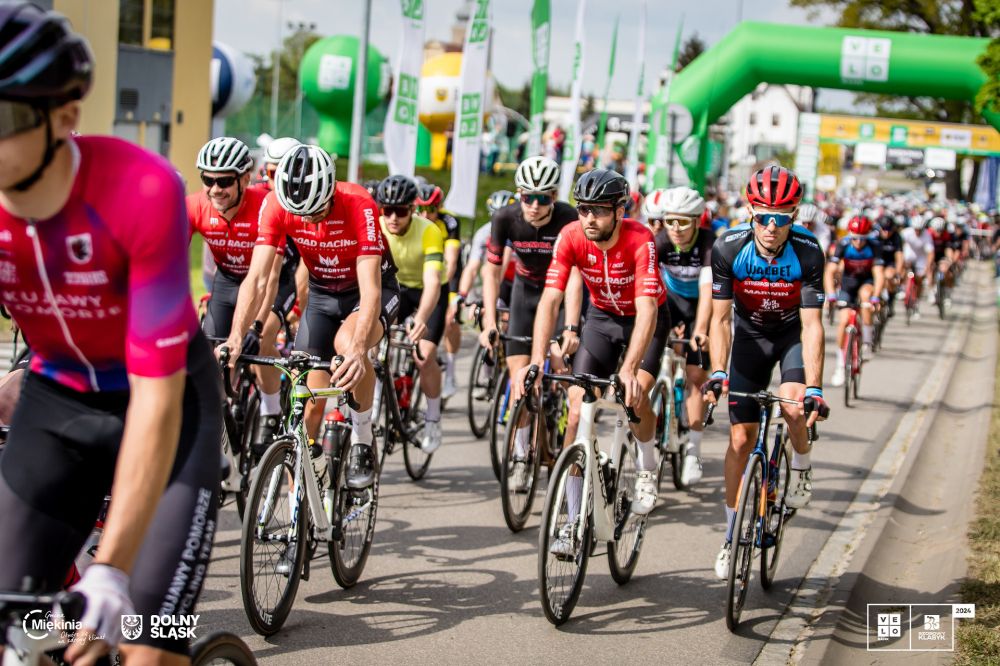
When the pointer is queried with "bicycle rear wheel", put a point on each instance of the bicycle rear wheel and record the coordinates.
(274, 536)
(245, 456)
(774, 517)
(561, 576)
(664, 421)
(623, 553)
(219, 648)
(940, 295)
(480, 394)
(352, 515)
(414, 457)
(498, 422)
(849, 351)
(745, 533)
(517, 498)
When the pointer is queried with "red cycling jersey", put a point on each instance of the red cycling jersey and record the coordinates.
(330, 249)
(615, 277)
(231, 242)
(114, 262)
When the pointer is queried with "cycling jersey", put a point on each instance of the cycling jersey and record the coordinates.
(420, 247)
(891, 244)
(532, 245)
(683, 267)
(330, 249)
(858, 263)
(768, 292)
(615, 277)
(115, 266)
(232, 242)
(450, 229)
(916, 246)
(480, 243)
(822, 233)
(942, 241)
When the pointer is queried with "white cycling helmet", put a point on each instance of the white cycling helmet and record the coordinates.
(675, 201)
(537, 174)
(918, 222)
(742, 215)
(305, 180)
(278, 148)
(225, 154)
(937, 224)
(807, 213)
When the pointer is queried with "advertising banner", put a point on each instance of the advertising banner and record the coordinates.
(571, 147)
(540, 30)
(400, 137)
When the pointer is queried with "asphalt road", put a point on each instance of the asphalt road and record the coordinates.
(447, 582)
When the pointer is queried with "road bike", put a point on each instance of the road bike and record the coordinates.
(485, 375)
(761, 509)
(601, 512)
(910, 294)
(852, 356)
(299, 497)
(667, 400)
(941, 292)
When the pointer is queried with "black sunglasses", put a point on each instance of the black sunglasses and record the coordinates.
(223, 182)
(597, 211)
(398, 211)
(540, 199)
(17, 117)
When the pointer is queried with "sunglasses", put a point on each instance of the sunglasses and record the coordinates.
(17, 117)
(779, 219)
(427, 209)
(223, 182)
(597, 211)
(675, 223)
(398, 211)
(540, 199)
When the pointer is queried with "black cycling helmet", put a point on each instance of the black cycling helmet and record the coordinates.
(372, 187)
(602, 186)
(397, 191)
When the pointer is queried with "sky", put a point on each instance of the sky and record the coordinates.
(251, 26)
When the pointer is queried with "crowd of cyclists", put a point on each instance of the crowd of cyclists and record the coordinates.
(122, 395)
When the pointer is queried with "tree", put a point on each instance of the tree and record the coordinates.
(691, 49)
(294, 47)
(988, 12)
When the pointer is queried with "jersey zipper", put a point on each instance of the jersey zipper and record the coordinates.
(607, 282)
(32, 232)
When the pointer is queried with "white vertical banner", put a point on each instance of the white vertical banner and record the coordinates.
(632, 168)
(571, 146)
(400, 135)
(461, 199)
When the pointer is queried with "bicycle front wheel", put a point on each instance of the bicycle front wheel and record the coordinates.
(273, 545)
(779, 476)
(660, 401)
(519, 473)
(353, 518)
(414, 457)
(623, 553)
(498, 421)
(219, 648)
(480, 394)
(562, 554)
(849, 352)
(745, 534)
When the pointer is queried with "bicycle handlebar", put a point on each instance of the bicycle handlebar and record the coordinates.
(590, 381)
(762, 397)
(397, 328)
(298, 361)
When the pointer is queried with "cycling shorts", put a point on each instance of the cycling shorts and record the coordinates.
(685, 311)
(326, 311)
(409, 302)
(284, 301)
(849, 288)
(754, 356)
(59, 463)
(523, 302)
(222, 303)
(606, 336)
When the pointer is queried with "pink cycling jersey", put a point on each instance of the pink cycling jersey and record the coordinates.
(231, 242)
(615, 277)
(115, 265)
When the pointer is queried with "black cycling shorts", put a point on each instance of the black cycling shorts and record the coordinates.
(409, 301)
(685, 311)
(754, 356)
(849, 287)
(523, 305)
(222, 304)
(287, 294)
(606, 335)
(326, 311)
(58, 465)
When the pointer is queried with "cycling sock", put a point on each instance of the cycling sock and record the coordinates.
(866, 334)
(434, 409)
(361, 427)
(801, 461)
(270, 403)
(694, 447)
(645, 460)
(730, 514)
(840, 357)
(449, 369)
(521, 441)
(574, 491)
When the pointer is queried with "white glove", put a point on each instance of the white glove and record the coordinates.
(106, 591)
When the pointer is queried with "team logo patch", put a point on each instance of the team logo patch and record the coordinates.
(131, 626)
(80, 248)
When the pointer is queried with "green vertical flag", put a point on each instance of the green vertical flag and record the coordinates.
(540, 27)
(607, 91)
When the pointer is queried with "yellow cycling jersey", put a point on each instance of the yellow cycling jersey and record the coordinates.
(422, 246)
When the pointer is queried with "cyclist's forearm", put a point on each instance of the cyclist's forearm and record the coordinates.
(302, 285)
(451, 256)
(828, 277)
(642, 332)
(574, 298)
(899, 264)
(145, 459)
(369, 284)
(491, 289)
(720, 334)
(813, 347)
(545, 323)
(430, 295)
(253, 290)
(878, 280)
(704, 315)
(272, 290)
(469, 276)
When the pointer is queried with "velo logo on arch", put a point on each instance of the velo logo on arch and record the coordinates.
(864, 59)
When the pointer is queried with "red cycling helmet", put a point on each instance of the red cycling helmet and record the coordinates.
(430, 195)
(859, 226)
(774, 187)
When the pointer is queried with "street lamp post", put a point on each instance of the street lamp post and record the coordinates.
(358, 114)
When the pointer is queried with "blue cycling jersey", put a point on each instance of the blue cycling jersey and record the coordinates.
(858, 262)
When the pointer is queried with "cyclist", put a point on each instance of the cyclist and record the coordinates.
(685, 251)
(892, 255)
(353, 293)
(918, 254)
(417, 248)
(429, 198)
(616, 256)
(813, 219)
(859, 257)
(944, 254)
(771, 274)
(477, 251)
(225, 213)
(123, 388)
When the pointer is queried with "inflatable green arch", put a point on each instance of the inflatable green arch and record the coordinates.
(875, 61)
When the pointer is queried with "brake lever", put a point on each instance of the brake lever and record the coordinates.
(709, 419)
(620, 398)
(529, 379)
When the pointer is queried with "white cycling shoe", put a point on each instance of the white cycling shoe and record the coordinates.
(432, 437)
(449, 387)
(518, 480)
(866, 351)
(803, 492)
(722, 561)
(563, 547)
(839, 376)
(691, 474)
(645, 493)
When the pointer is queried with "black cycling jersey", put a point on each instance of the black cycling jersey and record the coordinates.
(452, 225)
(768, 293)
(858, 263)
(532, 245)
(891, 244)
(684, 266)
